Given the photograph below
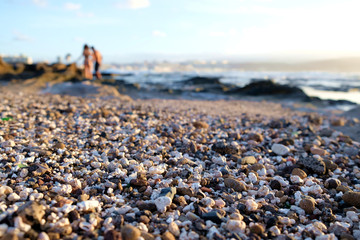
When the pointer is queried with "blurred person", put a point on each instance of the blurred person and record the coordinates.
(88, 66)
(98, 59)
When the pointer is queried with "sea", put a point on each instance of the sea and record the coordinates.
(325, 85)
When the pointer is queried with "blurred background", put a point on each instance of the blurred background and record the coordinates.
(312, 44)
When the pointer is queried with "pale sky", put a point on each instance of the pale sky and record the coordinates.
(135, 30)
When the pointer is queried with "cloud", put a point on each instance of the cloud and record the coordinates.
(133, 4)
(40, 3)
(85, 14)
(18, 36)
(79, 39)
(230, 33)
(157, 33)
(72, 6)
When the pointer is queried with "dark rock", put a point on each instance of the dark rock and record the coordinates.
(224, 148)
(287, 142)
(168, 192)
(73, 215)
(185, 191)
(235, 184)
(38, 169)
(112, 235)
(272, 221)
(139, 182)
(275, 184)
(268, 87)
(213, 216)
(202, 81)
(316, 165)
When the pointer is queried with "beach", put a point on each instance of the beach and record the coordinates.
(81, 160)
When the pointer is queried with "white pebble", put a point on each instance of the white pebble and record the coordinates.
(251, 205)
(162, 203)
(13, 197)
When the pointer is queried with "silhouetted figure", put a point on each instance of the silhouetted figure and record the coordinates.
(68, 58)
(98, 59)
(87, 62)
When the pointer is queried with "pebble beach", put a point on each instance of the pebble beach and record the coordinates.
(115, 168)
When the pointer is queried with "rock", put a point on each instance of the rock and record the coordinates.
(168, 192)
(351, 151)
(202, 81)
(316, 165)
(147, 236)
(73, 215)
(318, 151)
(213, 216)
(162, 203)
(112, 235)
(330, 165)
(174, 229)
(185, 191)
(343, 189)
(32, 212)
(280, 149)
(256, 137)
(337, 229)
(200, 124)
(332, 183)
(167, 236)
(275, 184)
(352, 198)
(235, 184)
(256, 167)
(257, 229)
(224, 148)
(38, 169)
(308, 204)
(129, 232)
(299, 172)
(248, 160)
(326, 132)
(287, 142)
(259, 87)
(59, 145)
(235, 226)
(338, 122)
(139, 182)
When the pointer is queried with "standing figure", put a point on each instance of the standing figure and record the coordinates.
(88, 66)
(98, 59)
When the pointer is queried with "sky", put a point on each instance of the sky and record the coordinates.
(178, 30)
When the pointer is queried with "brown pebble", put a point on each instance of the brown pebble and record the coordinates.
(167, 236)
(352, 198)
(255, 167)
(59, 145)
(144, 219)
(308, 204)
(205, 189)
(200, 124)
(257, 229)
(318, 151)
(343, 189)
(299, 172)
(129, 232)
(112, 235)
(235, 184)
(256, 137)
